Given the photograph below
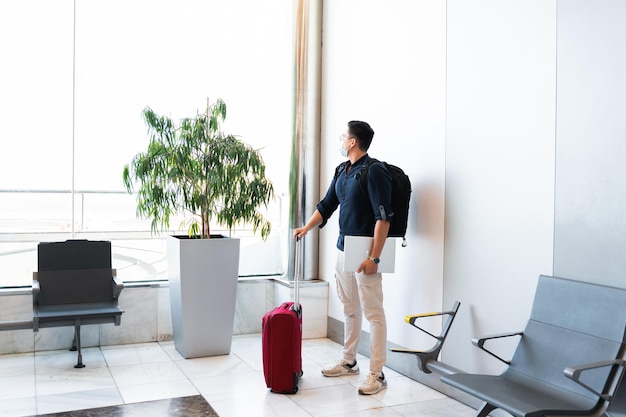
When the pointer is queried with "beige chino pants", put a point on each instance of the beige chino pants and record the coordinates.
(362, 295)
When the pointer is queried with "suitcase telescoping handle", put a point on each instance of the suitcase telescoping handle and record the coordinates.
(297, 274)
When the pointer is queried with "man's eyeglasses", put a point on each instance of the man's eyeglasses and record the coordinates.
(343, 137)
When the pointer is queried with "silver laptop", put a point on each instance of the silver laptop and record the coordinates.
(356, 249)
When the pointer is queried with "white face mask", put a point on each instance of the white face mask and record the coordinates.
(344, 151)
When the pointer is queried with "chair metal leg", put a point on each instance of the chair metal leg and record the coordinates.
(77, 340)
(485, 410)
(617, 408)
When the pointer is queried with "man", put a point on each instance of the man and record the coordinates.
(360, 214)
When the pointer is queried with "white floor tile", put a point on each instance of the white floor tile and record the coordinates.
(246, 343)
(17, 364)
(269, 405)
(18, 386)
(446, 407)
(74, 380)
(330, 401)
(321, 351)
(374, 412)
(233, 387)
(134, 354)
(16, 407)
(146, 373)
(171, 351)
(78, 400)
(157, 391)
(249, 350)
(253, 360)
(212, 366)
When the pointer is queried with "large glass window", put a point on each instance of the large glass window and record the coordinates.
(74, 79)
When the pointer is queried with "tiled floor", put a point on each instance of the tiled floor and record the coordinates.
(47, 382)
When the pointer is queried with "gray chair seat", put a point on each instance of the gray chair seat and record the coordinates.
(521, 395)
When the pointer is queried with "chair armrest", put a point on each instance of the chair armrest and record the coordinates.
(118, 286)
(574, 373)
(480, 343)
(426, 357)
(412, 319)
(36, 289)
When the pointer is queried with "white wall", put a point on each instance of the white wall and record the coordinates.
(590, 227)
(500, 148)
(384, 63)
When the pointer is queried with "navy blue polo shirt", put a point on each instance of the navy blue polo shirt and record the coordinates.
(358, 211)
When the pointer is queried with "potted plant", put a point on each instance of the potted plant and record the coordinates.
(195, 170)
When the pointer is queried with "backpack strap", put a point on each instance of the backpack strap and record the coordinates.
(362, 174)
(340, 168)
(365, 173)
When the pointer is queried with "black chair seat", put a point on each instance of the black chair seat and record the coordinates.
(93, 313)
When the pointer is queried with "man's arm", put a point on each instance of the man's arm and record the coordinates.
(381, 229)
(315, 220)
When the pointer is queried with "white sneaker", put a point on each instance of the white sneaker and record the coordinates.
(373, 384)
(340, 368)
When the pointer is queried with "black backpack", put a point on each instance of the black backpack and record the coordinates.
(400, 195)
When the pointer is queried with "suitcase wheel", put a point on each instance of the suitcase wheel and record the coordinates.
(295, 389)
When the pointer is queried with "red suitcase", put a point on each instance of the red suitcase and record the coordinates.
(282, 341)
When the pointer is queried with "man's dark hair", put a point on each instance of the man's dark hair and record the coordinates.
(362, 132)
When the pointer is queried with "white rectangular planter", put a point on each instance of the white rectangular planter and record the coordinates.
(203, 276)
